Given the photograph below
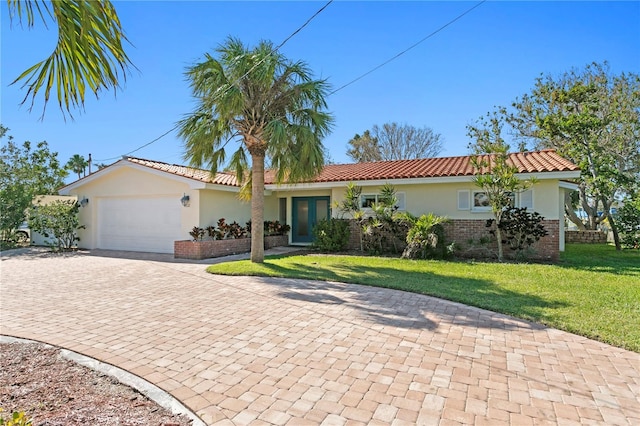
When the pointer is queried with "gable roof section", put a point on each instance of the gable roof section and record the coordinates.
(221, 178)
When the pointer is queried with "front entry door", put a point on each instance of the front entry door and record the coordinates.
(307, 211)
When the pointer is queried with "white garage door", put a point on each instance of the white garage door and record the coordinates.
(139, 224)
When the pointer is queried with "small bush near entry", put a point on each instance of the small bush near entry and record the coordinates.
(197, 233)
(520, 229)
(628, 221)
(425, 238)
(331, 235)
(57, 220)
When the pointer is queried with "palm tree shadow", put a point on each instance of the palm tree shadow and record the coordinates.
(403, 309)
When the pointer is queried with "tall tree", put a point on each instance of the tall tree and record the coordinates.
(270, 105)
(593, 118)
(88, 56)
(494, 174)
(393, 141)
(406, 142)
(25, 171)
(364, 149)
(77, 164)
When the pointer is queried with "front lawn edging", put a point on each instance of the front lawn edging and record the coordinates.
(198, 250)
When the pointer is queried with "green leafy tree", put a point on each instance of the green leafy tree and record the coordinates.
(593, 118)
(363, 149)
(25, 172)
(77, 164)
(494, 173)
(271, 105)
(57, 220)
(88, 56)
(628, 218)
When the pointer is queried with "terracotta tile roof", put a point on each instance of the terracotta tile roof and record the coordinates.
(221, 178)
(526, 162)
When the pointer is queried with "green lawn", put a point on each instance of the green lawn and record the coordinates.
(593, 291)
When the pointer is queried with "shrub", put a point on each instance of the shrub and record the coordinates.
(223, 229)
(520, 229)
(274, 227)
(331, 235)
(425, 237)
(197, 233)
(628, 221)
(57, 220)
(236, 231)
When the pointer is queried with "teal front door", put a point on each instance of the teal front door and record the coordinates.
(307, 211)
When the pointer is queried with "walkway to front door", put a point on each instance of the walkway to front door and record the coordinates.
(307, 211)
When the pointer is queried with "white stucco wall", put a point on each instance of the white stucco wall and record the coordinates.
(215, 204)
(442, 198)
(123, 182)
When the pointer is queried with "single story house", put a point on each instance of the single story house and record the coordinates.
(144, 205)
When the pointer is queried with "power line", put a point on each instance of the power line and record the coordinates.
(140, 147)
(334, 91)
(234, 82)
(407, 49)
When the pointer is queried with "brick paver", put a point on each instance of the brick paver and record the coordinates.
(241, 350)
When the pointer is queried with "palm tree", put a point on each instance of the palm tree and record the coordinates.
(271, 106)
(77, 164)
(88, 56)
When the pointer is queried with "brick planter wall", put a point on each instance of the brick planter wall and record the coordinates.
(272, 241)
(197, 250)
(585, 237)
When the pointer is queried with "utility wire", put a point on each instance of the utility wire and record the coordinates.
(339, 88)
(234, 82)
(407, 49)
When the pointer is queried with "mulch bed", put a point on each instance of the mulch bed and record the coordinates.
(54, 391)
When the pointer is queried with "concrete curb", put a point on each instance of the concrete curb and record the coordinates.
(151, 391)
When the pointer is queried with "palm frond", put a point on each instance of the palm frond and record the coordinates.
(88, 57)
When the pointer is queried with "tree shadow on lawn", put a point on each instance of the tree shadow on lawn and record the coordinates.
(404, 309)
(601, 258)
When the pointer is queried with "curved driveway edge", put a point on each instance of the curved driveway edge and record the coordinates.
(151, 391)
(241, 350)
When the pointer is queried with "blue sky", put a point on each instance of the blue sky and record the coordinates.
(487, 58)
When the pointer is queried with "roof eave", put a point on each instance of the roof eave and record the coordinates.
(415, 181)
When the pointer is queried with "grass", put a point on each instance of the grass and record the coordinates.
(593, 291)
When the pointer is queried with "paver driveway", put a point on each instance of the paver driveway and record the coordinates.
(273, 351)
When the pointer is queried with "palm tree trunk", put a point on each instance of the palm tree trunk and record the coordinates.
(257, 208)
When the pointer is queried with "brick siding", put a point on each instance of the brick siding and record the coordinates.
(473, 240)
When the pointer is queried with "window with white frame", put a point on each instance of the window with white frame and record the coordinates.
(480, 200)
(367, 200)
